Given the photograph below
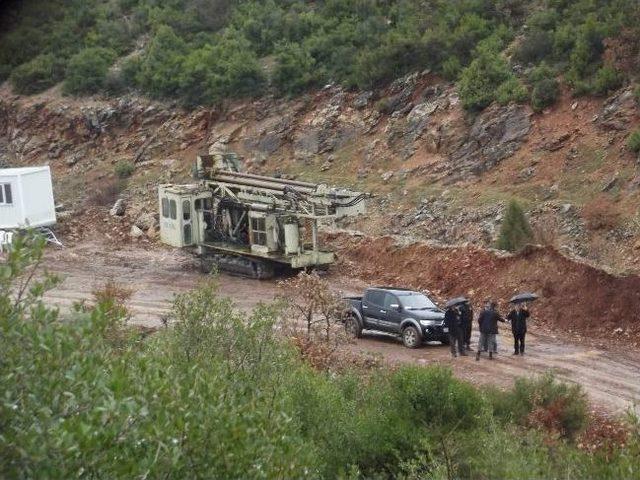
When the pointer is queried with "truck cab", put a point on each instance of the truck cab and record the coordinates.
(407, 313)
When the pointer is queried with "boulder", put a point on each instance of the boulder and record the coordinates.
(136, 232)
(146, 221)
(362, 100)
(118, 208)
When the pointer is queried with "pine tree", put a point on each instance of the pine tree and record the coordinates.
(515, 231)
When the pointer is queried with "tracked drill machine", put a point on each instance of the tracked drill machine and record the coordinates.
(251, 225)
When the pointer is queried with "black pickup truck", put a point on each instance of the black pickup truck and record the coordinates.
(410, 314)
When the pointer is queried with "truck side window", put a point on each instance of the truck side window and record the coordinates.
(186, 210)
(173, 209)
(375, 296)
(165, 208)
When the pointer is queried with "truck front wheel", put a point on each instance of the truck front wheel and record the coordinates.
(411, 338)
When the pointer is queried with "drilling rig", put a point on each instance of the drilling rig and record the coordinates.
(253, 225)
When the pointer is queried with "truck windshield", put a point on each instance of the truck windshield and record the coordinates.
(417, 301)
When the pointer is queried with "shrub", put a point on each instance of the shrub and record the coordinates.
(511, 91)
(106, 193)
(606, 80)
(633, 141)
(480, 80)
(515, 231)
(294, 70)
(451, 67)
(544, 402)
(534, 47)
(87, 70)
(544, 87)
(124, 169)
(37, 74)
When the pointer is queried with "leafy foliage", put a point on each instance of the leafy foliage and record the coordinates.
(544, 87)
(515, 231)
(124, 169)
(87, 70)
(36, 75)
(202, 51)
(221, 393)
(633, 142)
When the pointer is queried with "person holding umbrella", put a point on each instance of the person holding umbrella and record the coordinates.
(518, 317)
(488, 323)
(453, 322)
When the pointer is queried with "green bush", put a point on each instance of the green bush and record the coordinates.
(124, 169)
(545, 89)
(606, 80)
(512, 90)
(515, 231)
(294, 69)
(36, 75)
(633, 141)
(87, 71)
(220, 393)
(534, 47)
(544, 402)
(480, 81)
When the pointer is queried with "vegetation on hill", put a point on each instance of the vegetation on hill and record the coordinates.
(204, 51)
(222, 394)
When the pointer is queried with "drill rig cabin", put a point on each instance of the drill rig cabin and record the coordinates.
(249, 224)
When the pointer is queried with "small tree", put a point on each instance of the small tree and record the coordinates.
(515, 231)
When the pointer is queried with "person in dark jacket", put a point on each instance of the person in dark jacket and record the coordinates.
(453, 321)
(518, 318)
(488, 323)
(467, 323)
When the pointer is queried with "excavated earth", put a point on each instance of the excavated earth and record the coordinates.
(610, 373)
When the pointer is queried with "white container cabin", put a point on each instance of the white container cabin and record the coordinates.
(26, 198)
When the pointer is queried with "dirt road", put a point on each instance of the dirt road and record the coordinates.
(612, 379)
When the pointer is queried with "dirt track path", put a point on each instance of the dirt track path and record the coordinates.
(612, 379)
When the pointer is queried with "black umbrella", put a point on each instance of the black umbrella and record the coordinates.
(523, 297)
(455, 301)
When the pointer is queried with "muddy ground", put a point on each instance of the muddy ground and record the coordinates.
(155, 274)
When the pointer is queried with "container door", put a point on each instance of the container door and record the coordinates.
(187, 224)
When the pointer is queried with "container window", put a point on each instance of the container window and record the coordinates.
(165, 207)
(259, 231)
(6, 198)
(173, 209)
(186, 210)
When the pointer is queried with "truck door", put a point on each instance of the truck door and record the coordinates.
(389, 316)
(371, 305)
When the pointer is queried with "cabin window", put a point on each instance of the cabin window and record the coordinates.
(173, 209)
(186, 210)
(165, 207)
(259, 231)
(6, 198)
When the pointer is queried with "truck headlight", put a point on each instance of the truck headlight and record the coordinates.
(429, 323)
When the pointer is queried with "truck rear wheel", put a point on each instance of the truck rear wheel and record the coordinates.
(352, 327)
(411, 338)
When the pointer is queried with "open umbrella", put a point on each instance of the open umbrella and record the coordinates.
(455, 301)
(523, 297)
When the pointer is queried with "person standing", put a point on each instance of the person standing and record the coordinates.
(467, 323)
(453, 322)
(488, 324)
(518, 318)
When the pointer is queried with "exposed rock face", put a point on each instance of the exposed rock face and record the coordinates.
(496, 134)
(617, 111)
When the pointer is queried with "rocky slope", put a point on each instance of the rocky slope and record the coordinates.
(437, 173)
